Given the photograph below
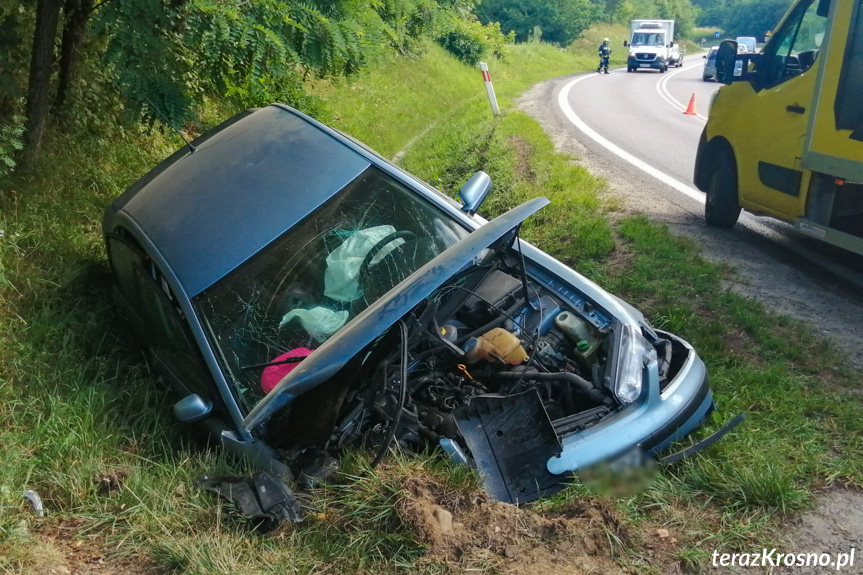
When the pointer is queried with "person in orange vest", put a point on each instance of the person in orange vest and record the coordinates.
(604, 53)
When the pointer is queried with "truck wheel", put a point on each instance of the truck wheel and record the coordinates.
(721, 208)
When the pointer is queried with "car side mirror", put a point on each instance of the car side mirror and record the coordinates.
(474, 191)
(726, 58)
(671, 44)
(625, 44)
(192, 408)
(705, 56)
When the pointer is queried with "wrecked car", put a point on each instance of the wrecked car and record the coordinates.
(305, 297)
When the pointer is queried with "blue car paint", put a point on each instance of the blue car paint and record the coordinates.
(240, 178)
(123, 220)
(638, 423)
(386, 311)
(660, 412)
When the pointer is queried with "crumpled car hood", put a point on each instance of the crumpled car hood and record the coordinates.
(378, 317)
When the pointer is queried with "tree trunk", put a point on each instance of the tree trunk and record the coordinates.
(76, 13)
(41, 63)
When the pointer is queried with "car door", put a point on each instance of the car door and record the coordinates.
(770, 146)
(149, 303)
(835, 138)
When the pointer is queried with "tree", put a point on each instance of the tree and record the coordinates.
(41, 66)
(76, 14)
(561, 21)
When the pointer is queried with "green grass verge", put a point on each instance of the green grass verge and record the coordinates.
(81, 412)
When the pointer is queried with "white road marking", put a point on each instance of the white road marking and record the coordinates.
(563, 102)
(662, 89)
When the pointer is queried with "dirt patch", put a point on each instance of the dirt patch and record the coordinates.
(110, 482)
(523, 152)
(834, 526)
(490, 534)
(59, 548)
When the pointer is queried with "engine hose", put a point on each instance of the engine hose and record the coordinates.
(403, 384)
(579, 383)
(418, 382)
(499, 319)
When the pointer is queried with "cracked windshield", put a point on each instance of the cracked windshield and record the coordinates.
(304, 287)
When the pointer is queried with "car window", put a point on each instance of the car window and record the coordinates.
(848, 111)
(164, 326)
(307, 284)
(795, 47)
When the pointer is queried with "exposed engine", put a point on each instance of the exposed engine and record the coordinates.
(488, 345)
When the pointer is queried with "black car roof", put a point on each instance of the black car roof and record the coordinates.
(252, 178)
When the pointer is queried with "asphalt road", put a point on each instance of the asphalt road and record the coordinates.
(630, 128)
(641, 113)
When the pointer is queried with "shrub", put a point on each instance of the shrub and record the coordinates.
(468, 40)
(10, 144)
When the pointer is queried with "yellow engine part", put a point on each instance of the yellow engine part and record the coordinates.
(496, 345)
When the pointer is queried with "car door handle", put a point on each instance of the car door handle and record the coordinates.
(795, 109)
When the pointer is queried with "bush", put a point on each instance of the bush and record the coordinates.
(469, 41)
(11, 143)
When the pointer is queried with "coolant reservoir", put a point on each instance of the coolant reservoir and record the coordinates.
(580, 332)
(495, 345)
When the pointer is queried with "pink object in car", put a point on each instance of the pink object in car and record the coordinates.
(274, 373)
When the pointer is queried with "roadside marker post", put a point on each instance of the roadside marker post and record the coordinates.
(489, 88)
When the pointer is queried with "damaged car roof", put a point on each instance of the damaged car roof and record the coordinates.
(244, 172)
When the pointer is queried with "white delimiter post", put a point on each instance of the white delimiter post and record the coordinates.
(489, 88)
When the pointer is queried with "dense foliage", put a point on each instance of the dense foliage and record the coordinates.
(562, 21)
(742, 17)
(159, 63)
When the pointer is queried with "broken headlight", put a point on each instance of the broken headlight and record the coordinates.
(634, 352)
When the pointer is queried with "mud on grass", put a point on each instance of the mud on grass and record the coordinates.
(462, 530)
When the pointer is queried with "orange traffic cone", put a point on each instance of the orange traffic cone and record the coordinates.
(690, 109)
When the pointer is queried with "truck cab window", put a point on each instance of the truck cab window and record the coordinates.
(795, 47)
(848, 111)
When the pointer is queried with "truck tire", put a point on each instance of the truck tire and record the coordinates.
(721, 208)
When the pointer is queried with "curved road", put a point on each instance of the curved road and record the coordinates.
(631, 129)
(641, 113)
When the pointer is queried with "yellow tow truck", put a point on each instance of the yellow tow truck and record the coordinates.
(784, 137)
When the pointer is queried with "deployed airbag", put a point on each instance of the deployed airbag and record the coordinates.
(341, 279)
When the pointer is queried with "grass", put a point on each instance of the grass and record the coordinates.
(78, 404)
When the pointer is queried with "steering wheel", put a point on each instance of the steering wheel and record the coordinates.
(364, 267)
(381, 245)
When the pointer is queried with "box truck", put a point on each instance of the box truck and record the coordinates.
(784, 137)
(651, 46)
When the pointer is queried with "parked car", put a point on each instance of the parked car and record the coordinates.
(305, 296)
(710, 65)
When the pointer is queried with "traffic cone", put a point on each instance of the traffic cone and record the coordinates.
(690, 109)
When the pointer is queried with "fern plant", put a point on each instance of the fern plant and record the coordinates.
(11, 142)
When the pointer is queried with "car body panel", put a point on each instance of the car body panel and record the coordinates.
(235, 174)
(653, 422)
(709, 72)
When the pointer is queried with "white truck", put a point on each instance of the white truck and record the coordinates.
(651, 46)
